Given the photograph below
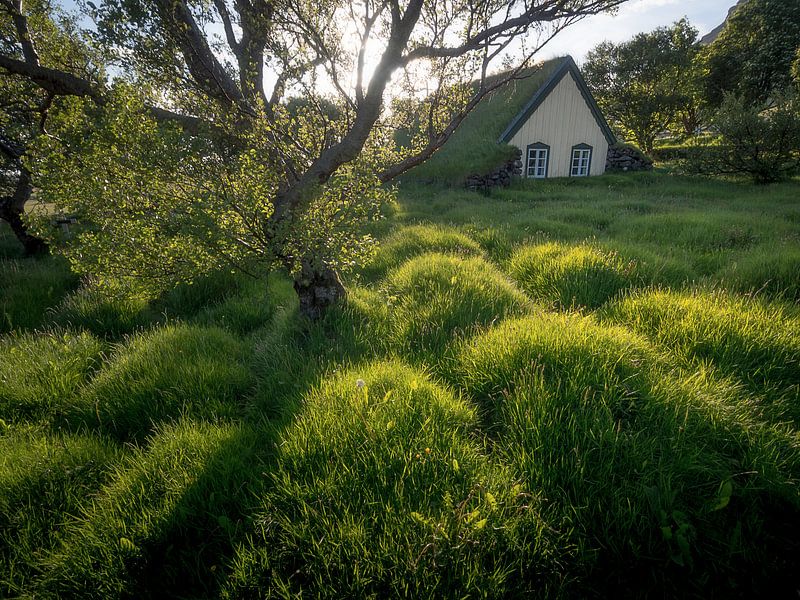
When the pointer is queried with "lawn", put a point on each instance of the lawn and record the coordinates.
(578, 388)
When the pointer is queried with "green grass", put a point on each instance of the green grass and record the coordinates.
(575, 388)
(41, 374)
(161, 375)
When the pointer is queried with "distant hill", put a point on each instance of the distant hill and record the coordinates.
(714, 33)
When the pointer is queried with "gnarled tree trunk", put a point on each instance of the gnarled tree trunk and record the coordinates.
(318, 289)
(11, 210)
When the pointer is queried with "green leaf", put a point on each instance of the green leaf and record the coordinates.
(723, 495)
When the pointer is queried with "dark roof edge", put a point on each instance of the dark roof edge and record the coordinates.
(568, 66)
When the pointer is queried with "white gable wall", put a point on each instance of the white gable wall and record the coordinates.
(561, 121)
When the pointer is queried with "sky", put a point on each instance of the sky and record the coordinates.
(635, 16)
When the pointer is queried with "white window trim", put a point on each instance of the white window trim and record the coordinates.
(537, 163)
(581, 161)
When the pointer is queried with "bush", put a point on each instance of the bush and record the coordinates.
(570, 276)
(435, 297)
(382, 492)
(162, 374)
(40, 374)
(762, 144)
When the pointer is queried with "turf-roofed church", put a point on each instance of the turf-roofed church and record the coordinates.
(546, 117)
(560, 130)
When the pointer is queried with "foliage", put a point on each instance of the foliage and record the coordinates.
(753, 55)
(762, 144)
(186, 163)
(640, 84)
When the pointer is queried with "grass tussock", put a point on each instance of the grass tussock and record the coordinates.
(44, 479)
(650, 471)
(40, 374)
(415, 240)
(382, 492)
(161, 375)
(165, 519)
(754, 341)
(30, 287)
(436, 297)
(566, 276)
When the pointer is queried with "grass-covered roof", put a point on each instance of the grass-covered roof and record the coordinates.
(473, 148)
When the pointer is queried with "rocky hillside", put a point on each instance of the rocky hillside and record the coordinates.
(714, 33)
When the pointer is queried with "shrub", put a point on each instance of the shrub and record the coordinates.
(162, 374)
(41, 373)
(569, 276)
(755, 142)
(381, 492)
(435, 297)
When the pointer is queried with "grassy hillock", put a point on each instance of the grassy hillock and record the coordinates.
(473, 148)
(579, 388)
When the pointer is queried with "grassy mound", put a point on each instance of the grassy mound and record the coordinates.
(651, 471)
(767, 271)
(381, 492)
(569, 276)
(250, 307)
(757, 342)
(43, 480)
(41, 373)
(436, 297)
(412, 241)
(162, 374)
(30, 287)
(108, 317)
(164, 521)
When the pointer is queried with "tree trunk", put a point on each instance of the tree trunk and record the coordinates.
(318, 290)
(11, 210)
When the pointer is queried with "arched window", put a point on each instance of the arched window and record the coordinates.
(581, 163)
(538, 160)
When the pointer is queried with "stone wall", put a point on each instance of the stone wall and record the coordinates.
(625, 158)
(500, 177)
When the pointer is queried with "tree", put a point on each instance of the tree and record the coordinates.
(763, 144)
(753, 55)
(196, 162)
(641, 84)
(24, 105)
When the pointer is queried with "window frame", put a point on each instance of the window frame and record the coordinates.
(538, 146)
(581, 148)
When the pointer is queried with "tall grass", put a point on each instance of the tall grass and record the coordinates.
(652, 472)
(161, 375)
(382, 492)
(41, 374)
(435, 297)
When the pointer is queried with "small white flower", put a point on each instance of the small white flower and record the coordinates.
(360, 383)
